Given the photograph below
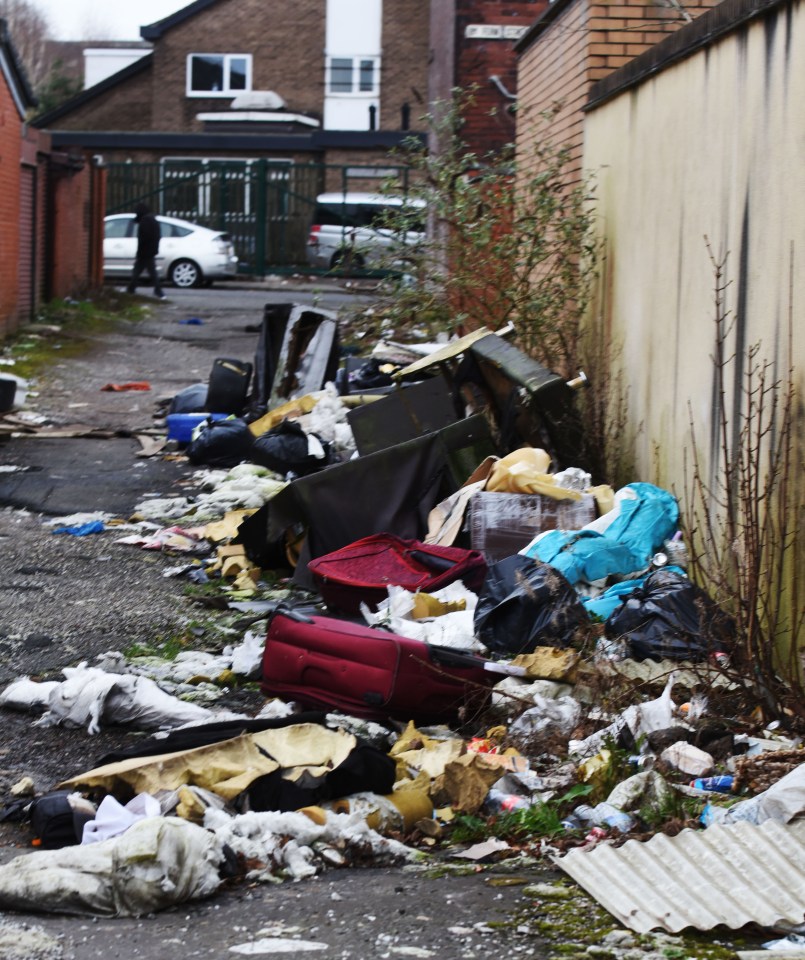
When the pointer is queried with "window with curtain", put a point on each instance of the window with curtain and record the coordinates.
(218, 74)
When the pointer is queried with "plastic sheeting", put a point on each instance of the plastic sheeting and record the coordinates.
(619, 543)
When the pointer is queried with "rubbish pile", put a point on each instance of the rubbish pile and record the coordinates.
(458, 636)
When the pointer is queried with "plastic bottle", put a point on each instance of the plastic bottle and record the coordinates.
(722, 784)
(585, 813)
(607, 814)
(499, 801)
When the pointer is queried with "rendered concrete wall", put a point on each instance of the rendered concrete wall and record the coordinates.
(707, 149)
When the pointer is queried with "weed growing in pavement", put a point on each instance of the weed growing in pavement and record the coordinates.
(542, 819)
(166, 648)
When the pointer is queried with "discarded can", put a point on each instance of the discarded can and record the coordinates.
(659, 560)
(720, 659)
(642, 762)
(596, 834)
(572, 822)
(721, 784)
(499, 800)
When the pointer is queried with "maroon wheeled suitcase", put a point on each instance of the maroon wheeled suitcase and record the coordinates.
(323, 662)
(361, 572)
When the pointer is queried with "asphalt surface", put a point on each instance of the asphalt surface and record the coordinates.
(65, 599)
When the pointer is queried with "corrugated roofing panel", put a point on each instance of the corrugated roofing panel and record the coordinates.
(731, 875)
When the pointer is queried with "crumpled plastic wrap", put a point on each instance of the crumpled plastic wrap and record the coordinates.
(455, 630)
(93, 698)
(293, 846)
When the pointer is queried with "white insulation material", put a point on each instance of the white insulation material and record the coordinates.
(733, 875)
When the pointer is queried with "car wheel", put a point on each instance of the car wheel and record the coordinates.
(186, 273)
(346, 260)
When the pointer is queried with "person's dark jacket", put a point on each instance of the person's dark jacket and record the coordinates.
(148, 232)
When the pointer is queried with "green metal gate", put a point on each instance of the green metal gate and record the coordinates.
(266, 206)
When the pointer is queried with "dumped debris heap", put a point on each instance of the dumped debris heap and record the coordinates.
(458, 635)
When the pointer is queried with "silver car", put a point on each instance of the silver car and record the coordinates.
(347, 230)
(189, 255)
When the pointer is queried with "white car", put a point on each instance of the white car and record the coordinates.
(189, 254)
(347, 230)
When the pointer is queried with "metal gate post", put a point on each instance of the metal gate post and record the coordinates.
(261, 219)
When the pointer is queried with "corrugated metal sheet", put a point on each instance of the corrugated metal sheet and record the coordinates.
(729, 875)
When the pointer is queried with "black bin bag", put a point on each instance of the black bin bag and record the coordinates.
(670, 618)
(221, 443)
(525, 604)
(285, 448)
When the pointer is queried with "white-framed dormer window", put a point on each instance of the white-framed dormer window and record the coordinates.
(357, 75)
(218, 74)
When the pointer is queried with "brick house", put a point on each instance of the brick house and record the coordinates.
(241, 101)
(18, 199)
(473, 44)
(245, 110)
(343, 76)
(50, 207)
(571, 46)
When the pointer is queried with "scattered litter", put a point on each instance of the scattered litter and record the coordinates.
(94, 526)
(278, 945)
(93, 698)
(18, 940)
(191, 322)
(78, 520)
(134, 385)
(483, 851)
(579, 602)
(793, 942)
(782, 802)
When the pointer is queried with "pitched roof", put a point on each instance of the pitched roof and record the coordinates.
(46, 119)
(153, 31)
(14, 72)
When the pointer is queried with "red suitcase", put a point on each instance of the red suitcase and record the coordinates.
(323, 662)
(362, 571)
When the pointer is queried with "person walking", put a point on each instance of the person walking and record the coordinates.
(148, 234)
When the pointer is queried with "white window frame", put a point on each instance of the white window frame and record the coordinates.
(226, 92)
(357, 61)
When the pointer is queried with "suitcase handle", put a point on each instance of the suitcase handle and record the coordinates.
(290, 613)
(440, 564)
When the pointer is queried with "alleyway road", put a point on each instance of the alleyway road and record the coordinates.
(66, 599)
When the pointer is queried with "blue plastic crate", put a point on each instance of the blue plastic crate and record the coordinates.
(182, 425)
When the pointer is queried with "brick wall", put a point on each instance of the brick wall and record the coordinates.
(71, 213)
(288, 56)
(10, 150)
(76, 199)
(490, 124)
(553, 74)
(125, 107)
(404, 71)
(582, 43)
